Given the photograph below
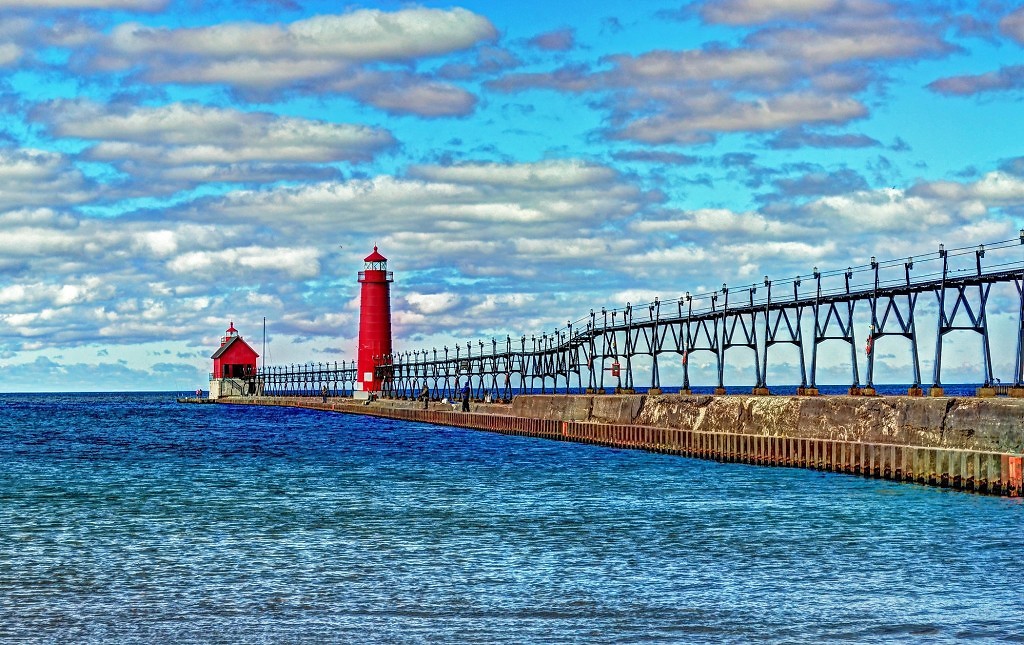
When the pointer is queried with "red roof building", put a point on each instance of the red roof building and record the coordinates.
(234, 359)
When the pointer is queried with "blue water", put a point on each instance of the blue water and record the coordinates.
(133, 518)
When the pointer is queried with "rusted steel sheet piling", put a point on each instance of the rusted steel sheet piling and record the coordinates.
(979, 471)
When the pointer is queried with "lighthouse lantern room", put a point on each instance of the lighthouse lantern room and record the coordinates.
(234, 366)
(374, 322)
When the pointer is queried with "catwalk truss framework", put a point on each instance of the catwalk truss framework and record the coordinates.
(602, 351)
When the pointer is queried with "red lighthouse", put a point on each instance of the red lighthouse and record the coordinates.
(374, 320)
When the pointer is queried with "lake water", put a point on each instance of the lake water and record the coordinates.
(128, 517)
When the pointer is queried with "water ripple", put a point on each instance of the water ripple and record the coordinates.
(128, 518)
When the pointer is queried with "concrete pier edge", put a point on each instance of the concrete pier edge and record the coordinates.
(965, 444)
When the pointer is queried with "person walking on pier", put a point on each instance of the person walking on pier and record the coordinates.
(323, 393)
(465, 397)
(425, 396)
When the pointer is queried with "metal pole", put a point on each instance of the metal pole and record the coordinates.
(686, 343)
(721, 339)
(817, 329)
(983, 290)
(874, 327)
(799, 333)
(850, 304)
(763, 376)
(937, 367)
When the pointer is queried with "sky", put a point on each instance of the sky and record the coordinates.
(170, 166)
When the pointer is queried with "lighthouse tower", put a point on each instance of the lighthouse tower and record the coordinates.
(374, 321)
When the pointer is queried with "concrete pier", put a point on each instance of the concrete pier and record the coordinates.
(962, 443)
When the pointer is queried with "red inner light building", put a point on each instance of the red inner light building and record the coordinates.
(234, 359)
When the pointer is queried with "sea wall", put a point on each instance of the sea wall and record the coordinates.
(964, 423)
(967, 444)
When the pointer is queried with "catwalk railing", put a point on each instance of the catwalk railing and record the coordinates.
(611, 348)
(308, 379)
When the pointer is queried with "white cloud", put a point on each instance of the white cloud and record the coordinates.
(699, 65)
(424, 99)
(246, 73)
(294, 262)
(883, 210)
(744, 116)
(263, 301)
(1013, 25)
(995, 188)
(372, 34)
(12, 293)
(46, 217)
(27, 242)
(747, 12)
(39, 178)
(157, 243)
(488, 200)
(543, 175)
(182, 134)
(635, 297)
(9, 53)
(366, 34)
(432, 303)
(55, 296)
(757, 253)
(589, 250)
(718, 220)
(323, 54)
(878, 39)
(806, 68)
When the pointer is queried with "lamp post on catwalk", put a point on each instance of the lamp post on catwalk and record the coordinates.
(374, 322)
